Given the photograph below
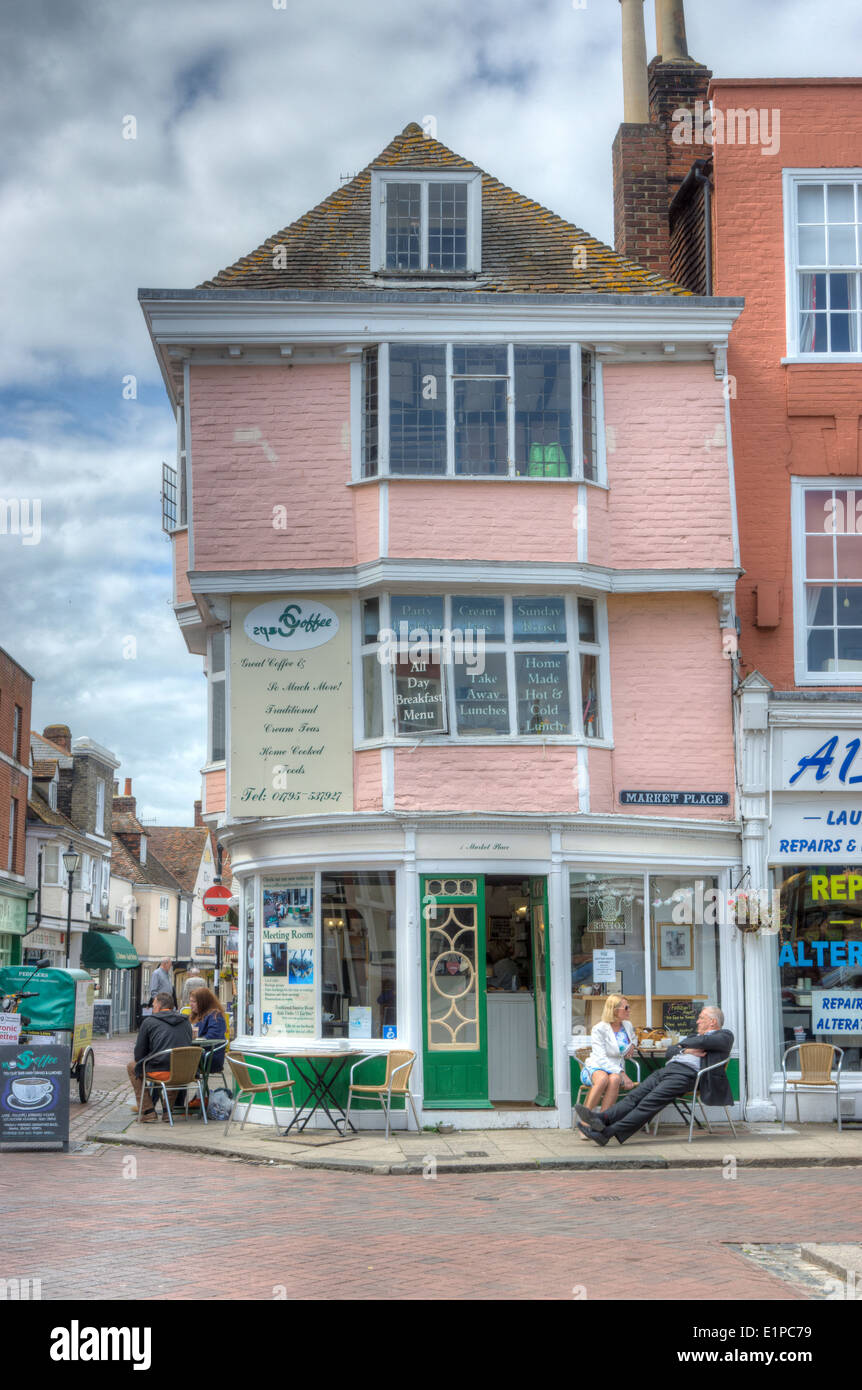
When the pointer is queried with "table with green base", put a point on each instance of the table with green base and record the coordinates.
(319, 1071)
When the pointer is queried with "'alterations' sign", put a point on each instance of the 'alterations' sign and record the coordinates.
(291, 735)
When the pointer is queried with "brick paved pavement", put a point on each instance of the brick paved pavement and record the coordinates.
(321, 1235)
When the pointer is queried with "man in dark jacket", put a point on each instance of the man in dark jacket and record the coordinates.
(711, 1043)
(164, 1027)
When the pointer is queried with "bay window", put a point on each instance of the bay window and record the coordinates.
(474, 666)
(479, 410)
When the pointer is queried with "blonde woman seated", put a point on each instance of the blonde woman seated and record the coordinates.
(613, 1041)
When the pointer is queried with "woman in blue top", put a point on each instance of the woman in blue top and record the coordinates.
(208, 1021)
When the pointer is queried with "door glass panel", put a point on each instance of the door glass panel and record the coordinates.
(451, 932)
(540, 958)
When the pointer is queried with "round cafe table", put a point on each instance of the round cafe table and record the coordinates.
(319, 1070)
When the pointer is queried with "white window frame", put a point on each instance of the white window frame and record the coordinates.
(799, 487)
(381, 178)
(48, 851)
(100, 807)
(791, 180)
(216, 678)
(576, 474)
(164, 911)
(572, 648)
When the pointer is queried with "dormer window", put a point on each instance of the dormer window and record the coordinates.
(426, 223)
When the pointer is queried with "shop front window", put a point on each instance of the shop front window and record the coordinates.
(358, 981)
(666, 965)
(820, 961)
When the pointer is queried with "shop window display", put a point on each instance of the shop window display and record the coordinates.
(820, 960)
(358, 980)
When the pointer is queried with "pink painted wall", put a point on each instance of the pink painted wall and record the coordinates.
(301, 461)
(366, 515)
(488, 520)
(182, 592)
(671, 703)
(367, 781)
(214, 789)
(486, 779)
(669, 500)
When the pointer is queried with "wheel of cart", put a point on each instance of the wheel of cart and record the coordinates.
(84, 1074)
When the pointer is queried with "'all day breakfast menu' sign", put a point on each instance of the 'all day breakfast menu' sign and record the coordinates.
(291, 706)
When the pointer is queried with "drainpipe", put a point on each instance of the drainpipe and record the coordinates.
(635, 86)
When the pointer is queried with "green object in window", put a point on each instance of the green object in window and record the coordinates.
(548, 461)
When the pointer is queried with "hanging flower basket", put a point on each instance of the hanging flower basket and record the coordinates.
(748, 912)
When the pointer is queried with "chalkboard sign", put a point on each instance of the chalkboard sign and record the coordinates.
(102, 1016)
(680, 1016)
(34, 1096)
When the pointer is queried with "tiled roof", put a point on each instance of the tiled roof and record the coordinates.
(44, 769)
(38, 809)
(153, 873)
(181, 848)
(525, 247)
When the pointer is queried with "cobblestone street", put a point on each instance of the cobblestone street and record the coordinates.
(120, 1228)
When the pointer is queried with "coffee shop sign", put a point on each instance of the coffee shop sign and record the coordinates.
(291, 626)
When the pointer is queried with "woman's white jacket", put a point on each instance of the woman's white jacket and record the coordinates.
(605, 1054)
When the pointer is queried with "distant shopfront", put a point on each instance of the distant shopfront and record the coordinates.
(13, 924)
(815, 855)
(484, 950)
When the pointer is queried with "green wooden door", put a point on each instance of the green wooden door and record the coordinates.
(455, 1050)
(542, 990)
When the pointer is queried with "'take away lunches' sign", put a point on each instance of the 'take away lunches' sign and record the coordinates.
(637, 798)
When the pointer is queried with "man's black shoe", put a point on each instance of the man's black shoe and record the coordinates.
(589, 1117)
(597, 1135)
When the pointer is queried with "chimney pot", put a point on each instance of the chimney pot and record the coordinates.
(128, 787)
(635, 86)
(670, 27)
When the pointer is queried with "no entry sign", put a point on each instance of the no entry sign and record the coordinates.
(216, 900)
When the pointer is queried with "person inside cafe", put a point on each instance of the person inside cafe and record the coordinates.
(504, 970)
(613, 1041)
(710, 1044)
(163, 1028)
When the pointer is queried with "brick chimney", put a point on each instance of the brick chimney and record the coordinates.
(60, 734)
(649, 164)
(126, 802)
(199, 820)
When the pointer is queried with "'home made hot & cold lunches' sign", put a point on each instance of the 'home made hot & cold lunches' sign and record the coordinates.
(291, 706)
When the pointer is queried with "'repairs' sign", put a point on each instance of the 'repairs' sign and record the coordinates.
(291, 706)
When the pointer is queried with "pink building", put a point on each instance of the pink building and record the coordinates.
(453, 531)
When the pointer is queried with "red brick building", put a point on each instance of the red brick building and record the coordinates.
(753, 187)
(16, 687)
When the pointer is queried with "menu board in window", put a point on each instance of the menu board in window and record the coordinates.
(539, 619)
(482, 697)
(420, 707)
(543, 693)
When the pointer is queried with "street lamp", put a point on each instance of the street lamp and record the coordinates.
(71, 860)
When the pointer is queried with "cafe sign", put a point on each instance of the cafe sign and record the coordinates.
(291, 625)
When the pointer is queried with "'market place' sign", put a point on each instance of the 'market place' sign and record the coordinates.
(637, 798)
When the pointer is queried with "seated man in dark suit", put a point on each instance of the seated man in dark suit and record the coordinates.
(711, 1043)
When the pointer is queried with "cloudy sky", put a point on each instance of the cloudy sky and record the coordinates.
(246, 115)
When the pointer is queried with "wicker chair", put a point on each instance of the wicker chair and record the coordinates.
(182, 1076)
(242, 1064)
(392, 1084)
(816, 1061)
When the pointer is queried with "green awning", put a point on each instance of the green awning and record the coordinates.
(102, 950)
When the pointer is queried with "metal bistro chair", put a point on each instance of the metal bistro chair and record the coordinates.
(182, 1076)
(392, 1085)
(242, 1064)
(692, 1099)
(815, 1069)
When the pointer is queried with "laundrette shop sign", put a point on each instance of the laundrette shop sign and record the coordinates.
(645, 798)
